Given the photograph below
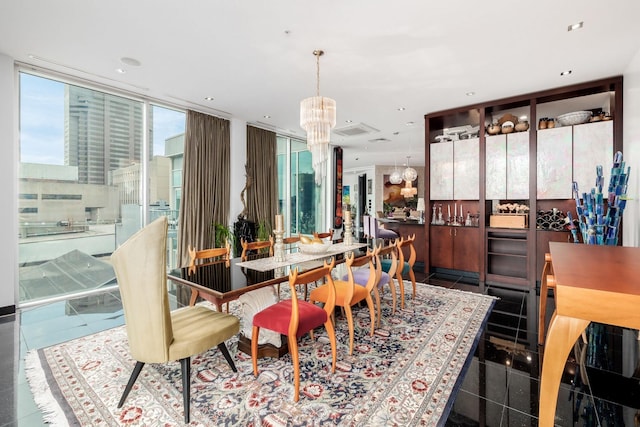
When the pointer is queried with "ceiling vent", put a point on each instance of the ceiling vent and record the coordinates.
(355, 130)
(379, 140)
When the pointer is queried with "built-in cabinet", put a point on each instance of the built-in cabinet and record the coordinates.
(507, 166)
(535, 167)
(455, 248)
(583, 147)
(454, 170)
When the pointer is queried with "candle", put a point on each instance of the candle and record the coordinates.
(347, 216)
(461, 211)
(279, 223)
(449, 210)
(455, 209)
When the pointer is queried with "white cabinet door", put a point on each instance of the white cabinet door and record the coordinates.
(554, 178)
(496, 167)
(592, 146)
(466, 169)
(441, 171)
(518, 165)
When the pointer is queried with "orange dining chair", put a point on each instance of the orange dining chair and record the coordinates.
(294, 318)
(348, 293)
(328, 234)
(155, 334)
(290, 243)
(256, 249)
(204, 256)
(405, 265)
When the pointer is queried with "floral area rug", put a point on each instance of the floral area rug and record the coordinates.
(408, 373)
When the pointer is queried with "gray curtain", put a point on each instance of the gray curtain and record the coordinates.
(262, 166)
(205, 182)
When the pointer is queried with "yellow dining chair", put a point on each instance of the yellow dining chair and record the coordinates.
(156, 334)
(294, 318)
(405, 265)
(348, 293)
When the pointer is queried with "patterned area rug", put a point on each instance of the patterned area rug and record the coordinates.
(408, 373)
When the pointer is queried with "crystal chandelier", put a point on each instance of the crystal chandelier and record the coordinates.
(409, 173)
(396, 176)
(317, 117)
(408, 191)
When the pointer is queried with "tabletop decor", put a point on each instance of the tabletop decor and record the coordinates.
(596, 226)
(408, 373)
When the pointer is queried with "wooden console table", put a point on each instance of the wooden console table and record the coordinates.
(593, 284)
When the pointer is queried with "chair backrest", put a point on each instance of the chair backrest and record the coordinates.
(353, 262)
(205, 256)
(290, 243)
(328, 234)
(366, 226)
(140, 265)
(373, 227)
(390, 251)
(255, 247)
(311, 276)
(406, 242)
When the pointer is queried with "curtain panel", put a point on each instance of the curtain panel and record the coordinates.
(205, 182)
(262, 167)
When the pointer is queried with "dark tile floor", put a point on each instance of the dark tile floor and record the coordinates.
(500, 387)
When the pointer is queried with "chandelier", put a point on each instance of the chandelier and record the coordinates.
(408, 191)
(409, 173)
(396, 176)
(317, 117)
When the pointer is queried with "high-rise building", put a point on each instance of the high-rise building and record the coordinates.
(103, 132)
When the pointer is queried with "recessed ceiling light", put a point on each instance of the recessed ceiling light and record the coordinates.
(575, 26)
(121, 70)
(410, 123)
(401, 108)
(565, 73)
(208, 98)
(130, 61)
(470, 93)
(348, 121)
(266, 116)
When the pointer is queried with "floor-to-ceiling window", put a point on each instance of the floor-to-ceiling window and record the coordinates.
(300, 199)
(90, 175)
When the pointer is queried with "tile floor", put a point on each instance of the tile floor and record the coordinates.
(500, 387)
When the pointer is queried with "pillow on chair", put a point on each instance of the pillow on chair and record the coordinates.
(254, 302)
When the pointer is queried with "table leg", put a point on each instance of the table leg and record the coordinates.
(561, 336)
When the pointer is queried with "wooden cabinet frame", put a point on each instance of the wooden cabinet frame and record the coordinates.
(477, 114)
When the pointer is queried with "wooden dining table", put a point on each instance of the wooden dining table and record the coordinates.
(223, 282)
(593, 284)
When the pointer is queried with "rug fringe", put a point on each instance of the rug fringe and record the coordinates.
(52, 413)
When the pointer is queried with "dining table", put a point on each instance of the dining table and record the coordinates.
(221, 281)
(593, 283)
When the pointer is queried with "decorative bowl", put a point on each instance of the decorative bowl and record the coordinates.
(574, 118)
(314, 248)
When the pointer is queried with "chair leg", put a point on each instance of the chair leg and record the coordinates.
(347, 309)
(132, 380)
(225, 352)
(328, 325)
(372, 313)
(194, 297)
(293, 349)
(377, 295)
(412, 276)
(255, 335)
(401, 285)
(186, 386)
(542, 313)
(394, 297)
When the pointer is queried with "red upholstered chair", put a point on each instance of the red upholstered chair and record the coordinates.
(348, 293)
(294, 318)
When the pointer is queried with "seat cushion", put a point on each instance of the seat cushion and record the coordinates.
(383, 233)
(361, 277)
(196, 329)
(321, 293)
(277, 317)
(386, 265)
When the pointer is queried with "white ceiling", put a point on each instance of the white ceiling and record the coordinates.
(255, 57)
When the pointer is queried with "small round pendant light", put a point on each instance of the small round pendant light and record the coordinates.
(409, 173)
